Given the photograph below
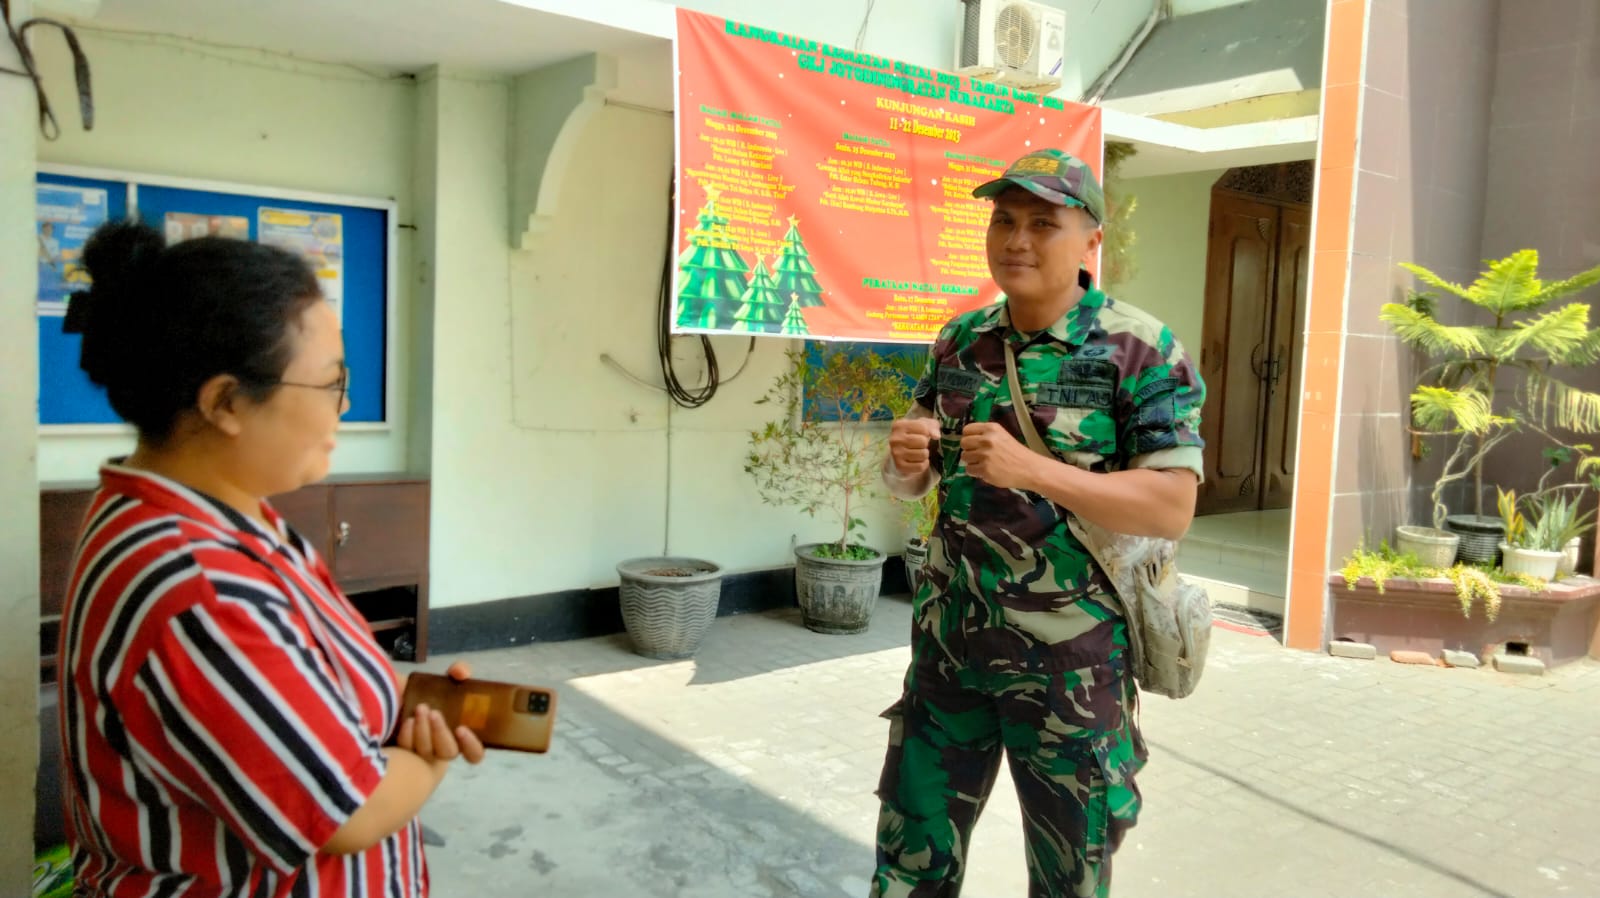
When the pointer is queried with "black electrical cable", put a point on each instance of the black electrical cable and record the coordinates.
(48, 125)
(681, 395)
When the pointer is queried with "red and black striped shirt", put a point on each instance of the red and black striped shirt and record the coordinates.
(223, 707)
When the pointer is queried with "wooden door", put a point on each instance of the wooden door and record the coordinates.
(1285, 374)
(1241, 262)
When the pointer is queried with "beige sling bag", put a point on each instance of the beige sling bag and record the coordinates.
(1169, 619)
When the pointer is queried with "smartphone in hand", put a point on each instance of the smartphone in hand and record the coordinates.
(502, 715)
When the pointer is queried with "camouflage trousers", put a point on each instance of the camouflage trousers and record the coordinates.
(1073, 748)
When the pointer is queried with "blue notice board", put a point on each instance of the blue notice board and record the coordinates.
(349, 241)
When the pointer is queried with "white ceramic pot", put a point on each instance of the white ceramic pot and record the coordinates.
(1532, 562)
(1434, 548)
(1569, 557)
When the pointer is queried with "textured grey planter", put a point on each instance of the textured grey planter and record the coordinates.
(1480, 536)
(836, 595)
(667, 615)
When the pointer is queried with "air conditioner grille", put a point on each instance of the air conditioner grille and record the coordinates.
(972, 10)
(1015, 35)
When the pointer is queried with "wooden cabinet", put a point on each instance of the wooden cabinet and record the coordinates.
(375, 544)
(373, 531)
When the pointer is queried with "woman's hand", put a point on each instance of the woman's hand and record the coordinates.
(426, 734)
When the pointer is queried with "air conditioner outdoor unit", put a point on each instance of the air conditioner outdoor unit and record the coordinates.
(1012, 42)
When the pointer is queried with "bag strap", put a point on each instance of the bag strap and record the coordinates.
(1030, 435)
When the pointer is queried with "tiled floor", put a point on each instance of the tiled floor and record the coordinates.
(1266, 530)
(748, 773)
(1243, 557)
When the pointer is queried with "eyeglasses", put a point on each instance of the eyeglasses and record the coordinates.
(339, 388)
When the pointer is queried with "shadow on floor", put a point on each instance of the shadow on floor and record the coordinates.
(620, 807)
(1480, 888)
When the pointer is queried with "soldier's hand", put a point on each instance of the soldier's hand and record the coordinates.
(994, 456)
(909, 443)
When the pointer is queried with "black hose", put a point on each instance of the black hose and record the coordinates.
(48, 125)
(683, 396)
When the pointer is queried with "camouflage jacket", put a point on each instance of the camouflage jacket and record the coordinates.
(1110, 388)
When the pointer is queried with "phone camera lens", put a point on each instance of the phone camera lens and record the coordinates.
(538, 702)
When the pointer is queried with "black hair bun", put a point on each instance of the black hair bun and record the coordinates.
(119, 254)
(119, 257)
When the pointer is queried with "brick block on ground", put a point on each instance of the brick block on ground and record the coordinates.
(1454, 658)
(1359, 650)
(1402, 656)
(1519, 664)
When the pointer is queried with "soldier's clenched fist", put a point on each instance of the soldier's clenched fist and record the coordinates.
(994, 456)
(909, 442)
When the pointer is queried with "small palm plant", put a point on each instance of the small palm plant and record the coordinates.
(1530, 335)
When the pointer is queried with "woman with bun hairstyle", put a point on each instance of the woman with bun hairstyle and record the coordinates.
(225, 712)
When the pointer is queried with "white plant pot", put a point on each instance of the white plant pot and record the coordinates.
(1533, 562)
(1569, 557)
(1434, 548)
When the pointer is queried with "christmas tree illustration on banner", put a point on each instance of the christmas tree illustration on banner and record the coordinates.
(762, 306)
(713, 272)
(794, 322)
(796, 274)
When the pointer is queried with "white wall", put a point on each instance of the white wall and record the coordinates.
(530, 495)
(924, 32)
(550, 466)
(180, 108)
(19, 525)
(1171, 221)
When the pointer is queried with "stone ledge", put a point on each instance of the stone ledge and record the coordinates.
(1557, 625)
(1569, 589)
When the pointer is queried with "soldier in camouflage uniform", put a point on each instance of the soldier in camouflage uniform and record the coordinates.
(1018, 643)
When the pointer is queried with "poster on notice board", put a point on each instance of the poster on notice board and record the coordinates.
(181, 226)
(66, 216)
(318, 237)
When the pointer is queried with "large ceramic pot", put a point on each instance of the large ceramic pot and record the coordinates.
(836, 595)
(668, 603)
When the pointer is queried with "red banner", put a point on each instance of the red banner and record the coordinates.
(827, 194)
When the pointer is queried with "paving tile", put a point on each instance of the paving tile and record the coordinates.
(749, 771)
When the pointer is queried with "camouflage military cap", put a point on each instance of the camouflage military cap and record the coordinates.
(1054, 175)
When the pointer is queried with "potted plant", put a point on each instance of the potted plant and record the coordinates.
(1557, 501)
(920, 517)
(668, 603)
(1457, 395)
(1432, 546)
(1530, 547)
(829, 462)
(1565, 526)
